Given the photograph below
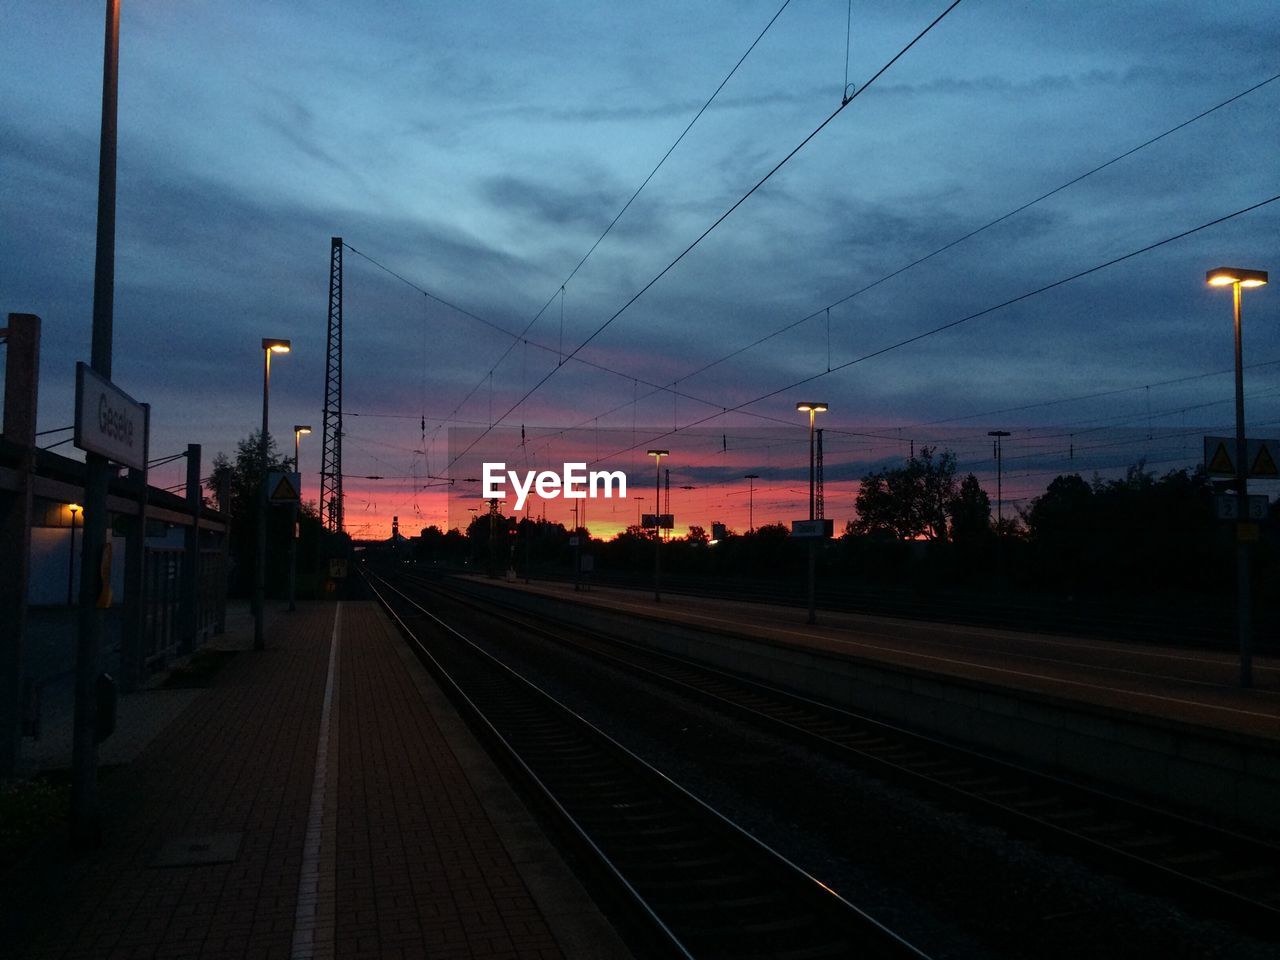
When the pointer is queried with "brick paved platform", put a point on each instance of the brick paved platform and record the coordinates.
(320, 799)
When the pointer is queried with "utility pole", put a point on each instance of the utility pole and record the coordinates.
(331, 441)
(657, 525)
(998, 451)
(813, 408)
(751, 479)
(666, 500)
(819, 496)
(86, 827)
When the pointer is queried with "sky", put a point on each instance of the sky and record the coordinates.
(479, 151)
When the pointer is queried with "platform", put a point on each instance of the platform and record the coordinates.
(319, 799)
(1165, 682)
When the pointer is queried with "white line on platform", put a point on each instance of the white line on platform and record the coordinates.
(313, 934)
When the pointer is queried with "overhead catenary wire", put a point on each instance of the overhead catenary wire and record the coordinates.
(1205, 113)
(1091, 396)
(657, 388)
(604, 325)
(952, 324)
(983, 228)
(560, 292)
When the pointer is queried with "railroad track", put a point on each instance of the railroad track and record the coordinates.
(1203, 865)
(702, 886)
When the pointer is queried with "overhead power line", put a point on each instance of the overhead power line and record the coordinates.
(973, 233)
(655, 388)
(825, 310)
(720, 219)
(612, 223)
(1092, 396)
(660, 388)
(955, 323)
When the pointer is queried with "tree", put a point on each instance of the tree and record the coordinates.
(970, 510)
(698, 535)
(970, 513)
(908, 502)
(245, 475)
(1140, 533)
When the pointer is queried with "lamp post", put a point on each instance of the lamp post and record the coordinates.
(813, 408)
(298, 431)
(657, 528)
(751, 479)
(1237, 278)
(71, 564)
(269, 346)
(85, 816)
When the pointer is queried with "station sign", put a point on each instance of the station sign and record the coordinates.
(664, 521)
(1262, 458)
(109, 422)
(337, 568)
(812, 529)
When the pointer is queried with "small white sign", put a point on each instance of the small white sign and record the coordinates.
(109, 421)
(812, 529)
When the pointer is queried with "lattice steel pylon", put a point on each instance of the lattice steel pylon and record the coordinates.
(331, 454)
(819, 498)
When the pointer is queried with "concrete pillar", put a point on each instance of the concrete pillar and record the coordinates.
(21, 389)
(133, 630)
(224, 507)
(190, 602)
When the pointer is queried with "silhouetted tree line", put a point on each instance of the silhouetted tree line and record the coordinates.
(246, 473)
(922, 525)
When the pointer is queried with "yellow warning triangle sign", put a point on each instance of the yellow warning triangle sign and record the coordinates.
(284, 490)
(1264, 465)
(1221, 461)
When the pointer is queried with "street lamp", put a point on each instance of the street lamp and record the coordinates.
(71, 565)
(1237, 278)
(657, 528)
(270, 345)
(751, 500)
(813, 408)
(298, 431)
